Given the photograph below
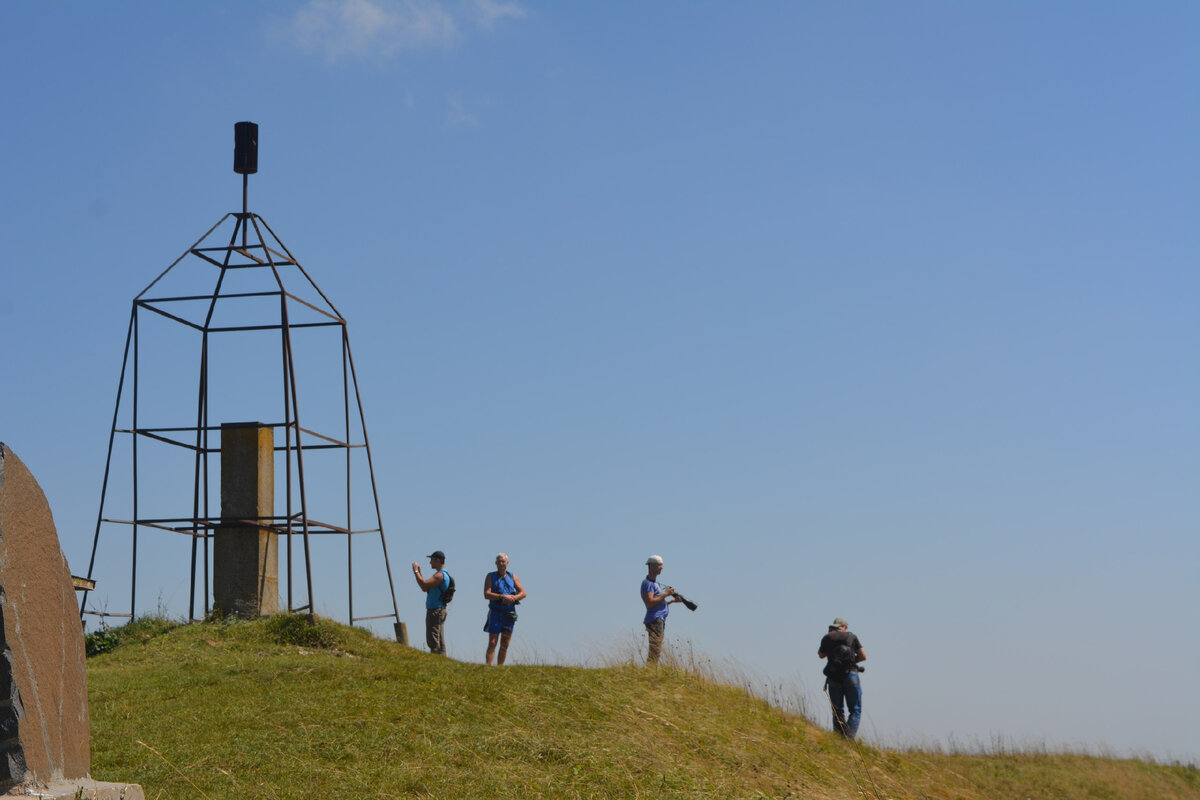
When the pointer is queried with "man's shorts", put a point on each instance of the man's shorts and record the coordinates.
(498, 622)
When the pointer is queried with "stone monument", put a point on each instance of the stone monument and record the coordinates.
(245, 549)
(44, 724)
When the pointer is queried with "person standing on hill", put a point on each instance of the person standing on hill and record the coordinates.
(656, 599)
(844, 651)
(503, 591)
(435, 604)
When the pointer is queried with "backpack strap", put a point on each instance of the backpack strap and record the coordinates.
(495, 576)
(495, 605)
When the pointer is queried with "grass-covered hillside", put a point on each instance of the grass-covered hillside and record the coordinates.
(284, 709)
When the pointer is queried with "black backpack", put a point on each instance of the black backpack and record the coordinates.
(841, 659)
(448, 592)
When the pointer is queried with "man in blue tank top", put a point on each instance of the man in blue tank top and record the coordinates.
(656, 598)
(435, 608)
(503, 590)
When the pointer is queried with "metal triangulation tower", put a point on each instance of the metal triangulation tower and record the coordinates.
(220, 341)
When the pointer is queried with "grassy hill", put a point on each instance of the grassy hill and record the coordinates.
(282, 708)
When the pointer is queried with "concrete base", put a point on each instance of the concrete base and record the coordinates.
(84, 788)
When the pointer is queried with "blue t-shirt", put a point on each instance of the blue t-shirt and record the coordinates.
(433, 598)
(500, 585)
(659, 610)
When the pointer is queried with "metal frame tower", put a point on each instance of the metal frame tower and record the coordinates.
(247, 313)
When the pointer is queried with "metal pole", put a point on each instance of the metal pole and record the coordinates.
(133, 568)
(108, 459)
(200, 477)
(287, 434)
(374, 488)
(200, 465)
(349, 527)
(290, 381)
(291, 378)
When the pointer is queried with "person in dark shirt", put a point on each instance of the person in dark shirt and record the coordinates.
(844, 652)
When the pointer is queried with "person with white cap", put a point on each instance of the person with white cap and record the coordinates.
(657, 598)
(844, 651)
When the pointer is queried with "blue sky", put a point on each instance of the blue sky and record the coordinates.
(882, 310)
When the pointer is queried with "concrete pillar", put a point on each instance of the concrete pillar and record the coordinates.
(246, 557)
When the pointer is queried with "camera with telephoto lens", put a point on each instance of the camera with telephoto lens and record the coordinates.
(690, 605)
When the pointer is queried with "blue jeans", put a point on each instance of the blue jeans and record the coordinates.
(848, 692)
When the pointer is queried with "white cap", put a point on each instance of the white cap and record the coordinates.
(654, 560)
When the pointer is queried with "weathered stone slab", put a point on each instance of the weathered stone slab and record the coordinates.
(44, 724)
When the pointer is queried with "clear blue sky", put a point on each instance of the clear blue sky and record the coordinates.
(882, 310)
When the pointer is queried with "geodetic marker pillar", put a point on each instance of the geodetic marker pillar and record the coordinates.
(245, 550)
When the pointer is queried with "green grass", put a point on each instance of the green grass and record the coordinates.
(283, 708)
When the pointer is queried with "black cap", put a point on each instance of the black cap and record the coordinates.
(438, 554)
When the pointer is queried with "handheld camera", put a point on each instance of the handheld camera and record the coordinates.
(690, 605)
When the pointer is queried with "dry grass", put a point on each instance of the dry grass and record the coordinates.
(233, 710)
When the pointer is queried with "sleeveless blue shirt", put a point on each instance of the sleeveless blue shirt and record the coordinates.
(433, 598)
(500, 585)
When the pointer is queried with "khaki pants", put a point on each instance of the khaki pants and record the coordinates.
(435, 633)
(657, 631)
